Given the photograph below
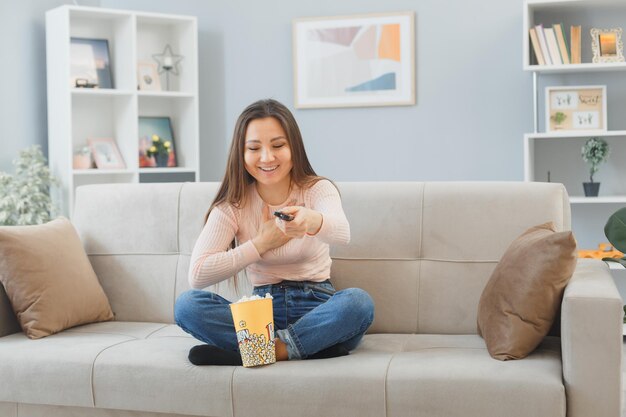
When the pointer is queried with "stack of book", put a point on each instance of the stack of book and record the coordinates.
(550, 45)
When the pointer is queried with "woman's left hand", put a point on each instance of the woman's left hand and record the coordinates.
(305, 221)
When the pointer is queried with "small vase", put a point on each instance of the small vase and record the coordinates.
(591, 189)
(161, 159)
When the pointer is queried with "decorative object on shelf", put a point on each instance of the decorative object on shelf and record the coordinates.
(25, 196)
(615, 232)
(558, 118)
(90, 65)
(148, 76)
(160, 128)
(583, 108)
(105, 153)
(605, 250)
(607, 45)
(160, 150)
(82, 158)
(595, 151)
(168, 63)
(354, 61)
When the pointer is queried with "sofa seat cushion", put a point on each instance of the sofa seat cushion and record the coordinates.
(144, 367)
(454, 375)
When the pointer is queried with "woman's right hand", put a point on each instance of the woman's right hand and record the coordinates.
(269, 235)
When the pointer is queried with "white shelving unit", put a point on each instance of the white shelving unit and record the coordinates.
(543, 151)
(76, 114)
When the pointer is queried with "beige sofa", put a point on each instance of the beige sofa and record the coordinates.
(424, 251)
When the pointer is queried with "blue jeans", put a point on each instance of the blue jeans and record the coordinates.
(306, 320)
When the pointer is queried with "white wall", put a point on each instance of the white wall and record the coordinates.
(23, 120)
(474, 102)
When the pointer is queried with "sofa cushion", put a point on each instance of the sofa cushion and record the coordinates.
(48, 278)
(453, 375)
(519, 303)
(144, 367)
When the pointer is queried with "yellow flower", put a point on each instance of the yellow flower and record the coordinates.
(155, 138)
(167, 144)
(153, 149)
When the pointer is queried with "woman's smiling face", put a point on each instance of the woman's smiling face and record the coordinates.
(267, 154)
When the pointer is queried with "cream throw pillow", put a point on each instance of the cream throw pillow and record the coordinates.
(48, 278)
(520, 302)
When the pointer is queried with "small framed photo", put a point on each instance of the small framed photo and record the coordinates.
(579, 109)
(105, 153)
(156, 142)
(148, 76)
(90, 66)
(607, 45)
(354, 61)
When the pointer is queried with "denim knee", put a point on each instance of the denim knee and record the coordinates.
(361, 305)
(184, 305)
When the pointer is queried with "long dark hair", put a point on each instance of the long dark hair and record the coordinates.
(236, 178)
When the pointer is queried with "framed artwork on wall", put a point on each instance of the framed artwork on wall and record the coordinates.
(581, 108)
(90, 65)
(156, 142)
(105, 153)
(354, 61)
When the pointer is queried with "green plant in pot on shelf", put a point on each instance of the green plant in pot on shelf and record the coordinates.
(594, 152)
(558, 118)
(160, 150)
(25, 196)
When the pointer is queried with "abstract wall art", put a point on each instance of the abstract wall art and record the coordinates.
(353, 61)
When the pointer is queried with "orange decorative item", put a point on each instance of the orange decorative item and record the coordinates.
(605, 250)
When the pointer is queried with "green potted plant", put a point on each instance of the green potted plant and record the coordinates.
(160, 149)
(558, 118)
(594, 152)
(25, 196)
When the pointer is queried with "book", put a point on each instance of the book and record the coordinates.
(542, 42)
(553, 46)
(575, 43)
(536, 47)
(562, 42)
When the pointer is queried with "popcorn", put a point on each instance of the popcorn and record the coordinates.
(254, 297)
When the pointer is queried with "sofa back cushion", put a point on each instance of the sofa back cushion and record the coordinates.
(424, 251)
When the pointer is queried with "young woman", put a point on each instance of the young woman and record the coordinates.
(268, 171)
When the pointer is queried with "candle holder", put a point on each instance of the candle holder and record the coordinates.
(168, 63)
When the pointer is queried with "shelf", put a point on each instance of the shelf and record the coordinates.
(165, 170)
(100, 92)
(77, 114)
(178, 94)
(95, 171)
(577, 68)
(570, 134)
(618, 199)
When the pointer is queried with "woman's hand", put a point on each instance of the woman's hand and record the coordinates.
(270, 236)
(305, 221)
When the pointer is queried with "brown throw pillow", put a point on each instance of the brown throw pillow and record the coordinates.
(48, 278)
(523, 295)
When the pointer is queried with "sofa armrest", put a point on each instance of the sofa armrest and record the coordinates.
(8, 321)
(591, 341)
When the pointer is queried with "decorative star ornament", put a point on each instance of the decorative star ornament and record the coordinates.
(168, 61)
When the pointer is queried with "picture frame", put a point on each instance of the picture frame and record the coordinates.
(354, 61)
(576, 108)
(90, 64)
(162, 127)
(106, 154)
(607, 45)
(148, 78)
